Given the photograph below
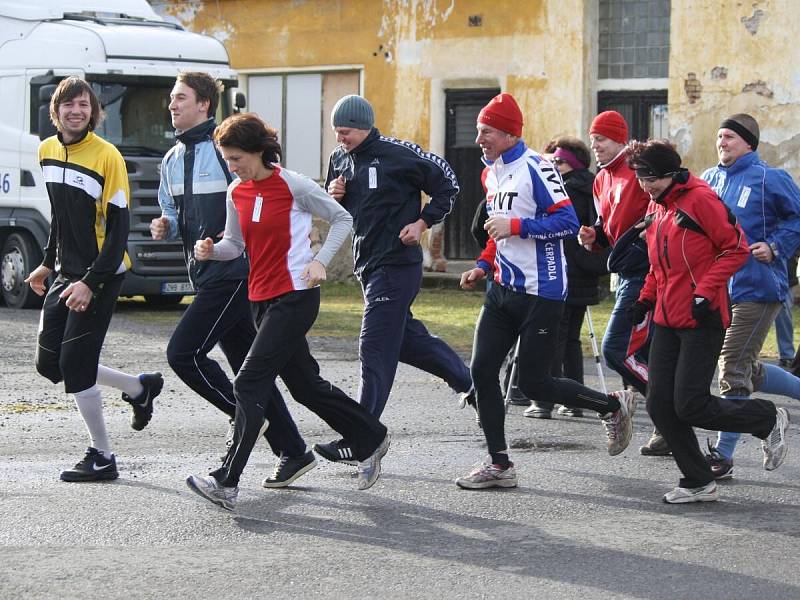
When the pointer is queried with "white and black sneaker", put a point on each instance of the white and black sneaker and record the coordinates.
(338, 451)
(704, 493)
(92, 467)
(211, 489)
(152, 383)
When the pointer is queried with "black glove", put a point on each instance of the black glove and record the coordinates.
(638, 311)
(701, 308)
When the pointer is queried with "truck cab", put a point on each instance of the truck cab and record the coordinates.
(130, 56)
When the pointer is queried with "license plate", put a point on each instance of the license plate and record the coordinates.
(176, 287)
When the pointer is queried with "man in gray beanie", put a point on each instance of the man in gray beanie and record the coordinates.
(353, 112)
(379, 181)
(766, 202)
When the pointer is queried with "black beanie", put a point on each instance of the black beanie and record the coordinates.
(745, 126)
(657, 159)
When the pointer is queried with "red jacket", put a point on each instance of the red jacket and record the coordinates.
(695, 245)
(620, 200)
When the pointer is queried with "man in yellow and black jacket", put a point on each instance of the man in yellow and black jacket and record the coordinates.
(88, 188)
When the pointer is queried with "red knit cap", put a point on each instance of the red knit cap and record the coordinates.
(612, 125)
(502, 113)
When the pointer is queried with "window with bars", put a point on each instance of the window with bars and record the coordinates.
(634, 39)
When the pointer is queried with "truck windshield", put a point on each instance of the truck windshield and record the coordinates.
(137, 114)
(137, 118)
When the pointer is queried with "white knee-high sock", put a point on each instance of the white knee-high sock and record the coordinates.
(90, 405)
(129, 384)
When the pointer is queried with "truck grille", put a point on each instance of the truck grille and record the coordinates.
(149, 256)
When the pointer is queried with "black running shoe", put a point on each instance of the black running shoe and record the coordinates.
(143, 403)
(92, 467)
(338, 451)
(290, 468)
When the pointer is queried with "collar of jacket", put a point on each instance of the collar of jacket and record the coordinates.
(740, 164)
(509, 156)
(681, 182)
(615, 163)
(371, 138)
(85, 138)
(198, 133)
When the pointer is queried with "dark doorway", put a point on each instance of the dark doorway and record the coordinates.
(645, 112)
(464, 156)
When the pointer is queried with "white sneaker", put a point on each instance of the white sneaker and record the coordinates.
(775, 446)
(210, 489)
(485, 475)
(706, 493)
(370, 469)
(618, 425)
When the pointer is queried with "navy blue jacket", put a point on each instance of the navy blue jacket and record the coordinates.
(384, 177)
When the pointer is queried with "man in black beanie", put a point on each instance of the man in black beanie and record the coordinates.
(766, 202)
(379, 181)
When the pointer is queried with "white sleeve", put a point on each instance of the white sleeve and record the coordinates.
(314, 199)
(231, 245)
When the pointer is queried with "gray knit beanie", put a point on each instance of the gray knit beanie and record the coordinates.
(353, 111)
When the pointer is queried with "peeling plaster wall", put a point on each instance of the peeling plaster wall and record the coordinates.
(728, 57)
(412, 50)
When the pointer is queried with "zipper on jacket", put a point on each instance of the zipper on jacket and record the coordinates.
(661, 264)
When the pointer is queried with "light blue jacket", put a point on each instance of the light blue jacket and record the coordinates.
(192, 195)
(766, 202)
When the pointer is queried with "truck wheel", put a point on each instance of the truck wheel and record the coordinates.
(163, 301)
(20, 257)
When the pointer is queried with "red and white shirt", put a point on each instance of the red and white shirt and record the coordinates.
(271, 220)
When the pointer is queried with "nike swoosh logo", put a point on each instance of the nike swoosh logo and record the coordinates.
(96, 468)
(146, 401)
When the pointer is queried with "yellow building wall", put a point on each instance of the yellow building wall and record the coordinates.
(412, 50)
(728, 57)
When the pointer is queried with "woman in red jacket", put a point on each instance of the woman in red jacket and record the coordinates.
(694, 245)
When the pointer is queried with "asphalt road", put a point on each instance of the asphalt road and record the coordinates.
(580, 525)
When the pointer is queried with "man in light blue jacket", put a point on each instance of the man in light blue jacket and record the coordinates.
(766, 202)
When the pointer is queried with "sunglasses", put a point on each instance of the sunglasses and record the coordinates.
(557, 161)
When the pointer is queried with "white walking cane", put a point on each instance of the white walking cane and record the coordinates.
(597, 360)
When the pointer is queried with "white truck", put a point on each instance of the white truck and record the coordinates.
(131, 56)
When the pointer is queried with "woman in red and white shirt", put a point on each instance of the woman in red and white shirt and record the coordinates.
(269, 213)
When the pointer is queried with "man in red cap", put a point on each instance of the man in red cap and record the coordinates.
(529, 216)
(621, 203)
